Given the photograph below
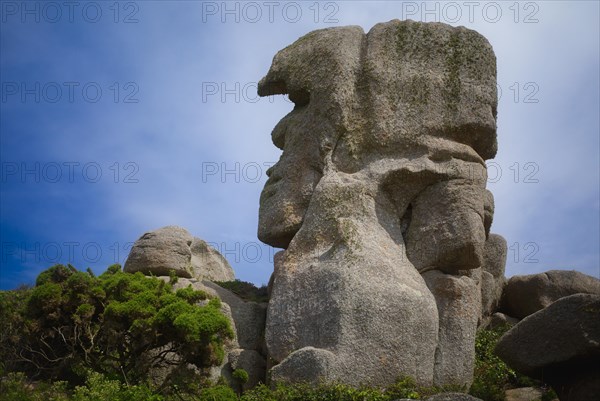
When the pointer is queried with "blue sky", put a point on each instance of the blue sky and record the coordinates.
(117, 120)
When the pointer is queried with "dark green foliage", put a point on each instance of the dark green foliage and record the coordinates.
(99, 388)
(11, 327)
(245, 290)
(406, 387)
(15, 387)
(120, 325)
(492, 375)
(217, 393)
(240, 375)
(403, 388)
(299, 392)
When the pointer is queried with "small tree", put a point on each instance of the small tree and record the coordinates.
(119, 324)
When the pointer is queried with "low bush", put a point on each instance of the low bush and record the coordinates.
(119, 325)
(16, 387)
(217, 393)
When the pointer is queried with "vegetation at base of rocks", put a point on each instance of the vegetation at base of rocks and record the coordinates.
(75, 336)
(73, 325)
(492, 377)
(403, 388)
(16, 387)
(220, 393)
(245, 290)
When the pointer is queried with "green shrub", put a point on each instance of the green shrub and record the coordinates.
(259, 393)
(403, 388)
(16, 387)
(492, 376)
(218, 393)
(99, 388)
(72, 322)
(303, 392)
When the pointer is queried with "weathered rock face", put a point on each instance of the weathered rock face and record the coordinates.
(446, 230)
(252, 362)
(559, 344)
(524, 394)
(492, 275)
(382, 176)
(345, 286)
(528, 294)
(249, 318)
(458, 303)
(174, 249)
(208, 263)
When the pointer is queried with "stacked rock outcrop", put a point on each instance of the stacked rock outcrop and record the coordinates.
(382, 179)
(560, 345)
(173, 249)
(525, 295)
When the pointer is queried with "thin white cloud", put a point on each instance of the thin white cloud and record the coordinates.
(172, 134)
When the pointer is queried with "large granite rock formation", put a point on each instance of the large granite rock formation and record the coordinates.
(528, 294)
(382, 178)
(174, 249)
(559, 345)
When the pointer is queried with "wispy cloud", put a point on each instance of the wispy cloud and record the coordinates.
(170, 60)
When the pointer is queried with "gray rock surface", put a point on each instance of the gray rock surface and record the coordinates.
(528, 294)
(458, 302)
(446, 230)
(308, 365)
(252, 362)
(382, 176)
(249, 318)
(174, 249)
(500, 319)
(488, 211)
(524, 394)
(208, 263)
(495, 255)
(559, 344)
(492, 275)
(344, 286)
